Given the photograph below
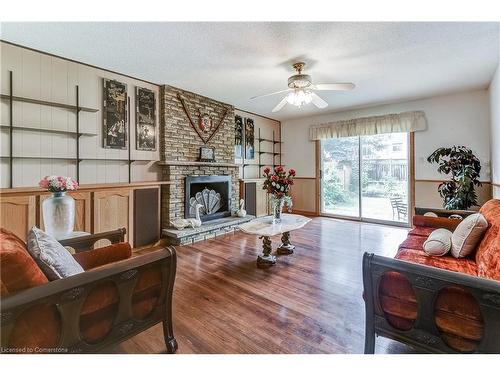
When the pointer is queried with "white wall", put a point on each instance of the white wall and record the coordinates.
(457, 119)
(41, 76)
(494, 92)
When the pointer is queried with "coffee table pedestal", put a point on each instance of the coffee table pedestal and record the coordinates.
(266, 260)
(286, 247)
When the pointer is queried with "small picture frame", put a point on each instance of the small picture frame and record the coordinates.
(207, 154)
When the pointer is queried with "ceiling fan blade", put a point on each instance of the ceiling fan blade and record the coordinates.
(273, 93)
(334, 86)
(317, 101)
(280, 105)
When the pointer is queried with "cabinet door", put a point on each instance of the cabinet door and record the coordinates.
(83, 214)
(113, 209)
(250, 198)
(262, 201)
(146, 216)
(18, 214)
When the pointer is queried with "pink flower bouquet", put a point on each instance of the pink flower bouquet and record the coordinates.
(57, 184)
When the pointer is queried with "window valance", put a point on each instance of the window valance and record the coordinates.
(392, 123)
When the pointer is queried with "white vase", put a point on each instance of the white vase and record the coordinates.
(59, 215)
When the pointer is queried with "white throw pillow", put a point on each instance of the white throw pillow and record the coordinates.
(467, 235)
(438, 243)
(53, 259)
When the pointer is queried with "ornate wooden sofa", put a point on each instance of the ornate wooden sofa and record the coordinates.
(436, 304)
(115, 298)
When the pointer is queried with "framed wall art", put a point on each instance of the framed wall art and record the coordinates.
(114, 115)
(207, 154)
(249, 139)
(238, 137)
(145, 119)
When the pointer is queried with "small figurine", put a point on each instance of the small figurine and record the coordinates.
(196, 223)
(180, 223)
(241, 212)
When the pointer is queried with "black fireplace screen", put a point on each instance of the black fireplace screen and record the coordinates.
(212, 193)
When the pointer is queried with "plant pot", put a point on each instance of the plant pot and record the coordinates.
(59, 215)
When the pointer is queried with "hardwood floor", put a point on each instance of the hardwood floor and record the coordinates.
(310, 302)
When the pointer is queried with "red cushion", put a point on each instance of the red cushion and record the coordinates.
(413, 242)
(488, 251)
(18, 270)
(446, 262)
(421, 231)
(103, 255)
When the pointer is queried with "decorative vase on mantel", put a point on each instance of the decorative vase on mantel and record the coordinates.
(59, 209)
(278, 184)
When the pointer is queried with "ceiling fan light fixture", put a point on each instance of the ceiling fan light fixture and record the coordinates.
(299, 97)
(301, 90)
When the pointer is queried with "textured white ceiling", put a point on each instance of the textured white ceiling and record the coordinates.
(232, 62)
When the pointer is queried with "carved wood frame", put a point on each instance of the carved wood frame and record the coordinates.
(427, 282)
(69, 294)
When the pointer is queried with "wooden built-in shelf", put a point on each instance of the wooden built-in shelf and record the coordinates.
(270, 153)
(41, 157)
(73, 159)
(197, 163)
(47, 103)
(107, 159)
(268, 140)
(260, 153)
(260, 179)
(74, 133)
(46, 130)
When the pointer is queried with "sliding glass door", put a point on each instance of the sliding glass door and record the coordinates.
(366, 178)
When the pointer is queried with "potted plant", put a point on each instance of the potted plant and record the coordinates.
(59, 209)
(464, 167)
(277, 184)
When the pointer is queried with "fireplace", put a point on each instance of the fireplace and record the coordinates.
(212, 192)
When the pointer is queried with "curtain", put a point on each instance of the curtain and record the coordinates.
(392, 123)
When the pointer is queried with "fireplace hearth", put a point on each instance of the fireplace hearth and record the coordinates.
(212, 192)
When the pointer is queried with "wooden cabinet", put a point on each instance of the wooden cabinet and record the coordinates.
(112, 210)
(18, 214)
(256, 199)
(98, 208)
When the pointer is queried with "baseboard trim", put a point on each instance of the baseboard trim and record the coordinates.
(305, 213)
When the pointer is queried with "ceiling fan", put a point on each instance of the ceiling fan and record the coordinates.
(302, 91)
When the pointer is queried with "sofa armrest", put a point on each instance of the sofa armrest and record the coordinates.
(84, 243)
(441, 212)
(435, 222)
(104, 255)
(427, 282)
(69, 295)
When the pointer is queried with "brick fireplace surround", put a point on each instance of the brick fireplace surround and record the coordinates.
(180, 146)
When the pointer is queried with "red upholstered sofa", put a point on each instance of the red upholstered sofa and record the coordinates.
(115, 298)
(437, 304)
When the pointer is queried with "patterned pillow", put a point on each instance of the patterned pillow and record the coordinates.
(53, 259)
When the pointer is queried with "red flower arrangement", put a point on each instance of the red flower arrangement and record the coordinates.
(278, 183)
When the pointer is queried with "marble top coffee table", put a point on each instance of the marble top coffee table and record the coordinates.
(264, 227)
